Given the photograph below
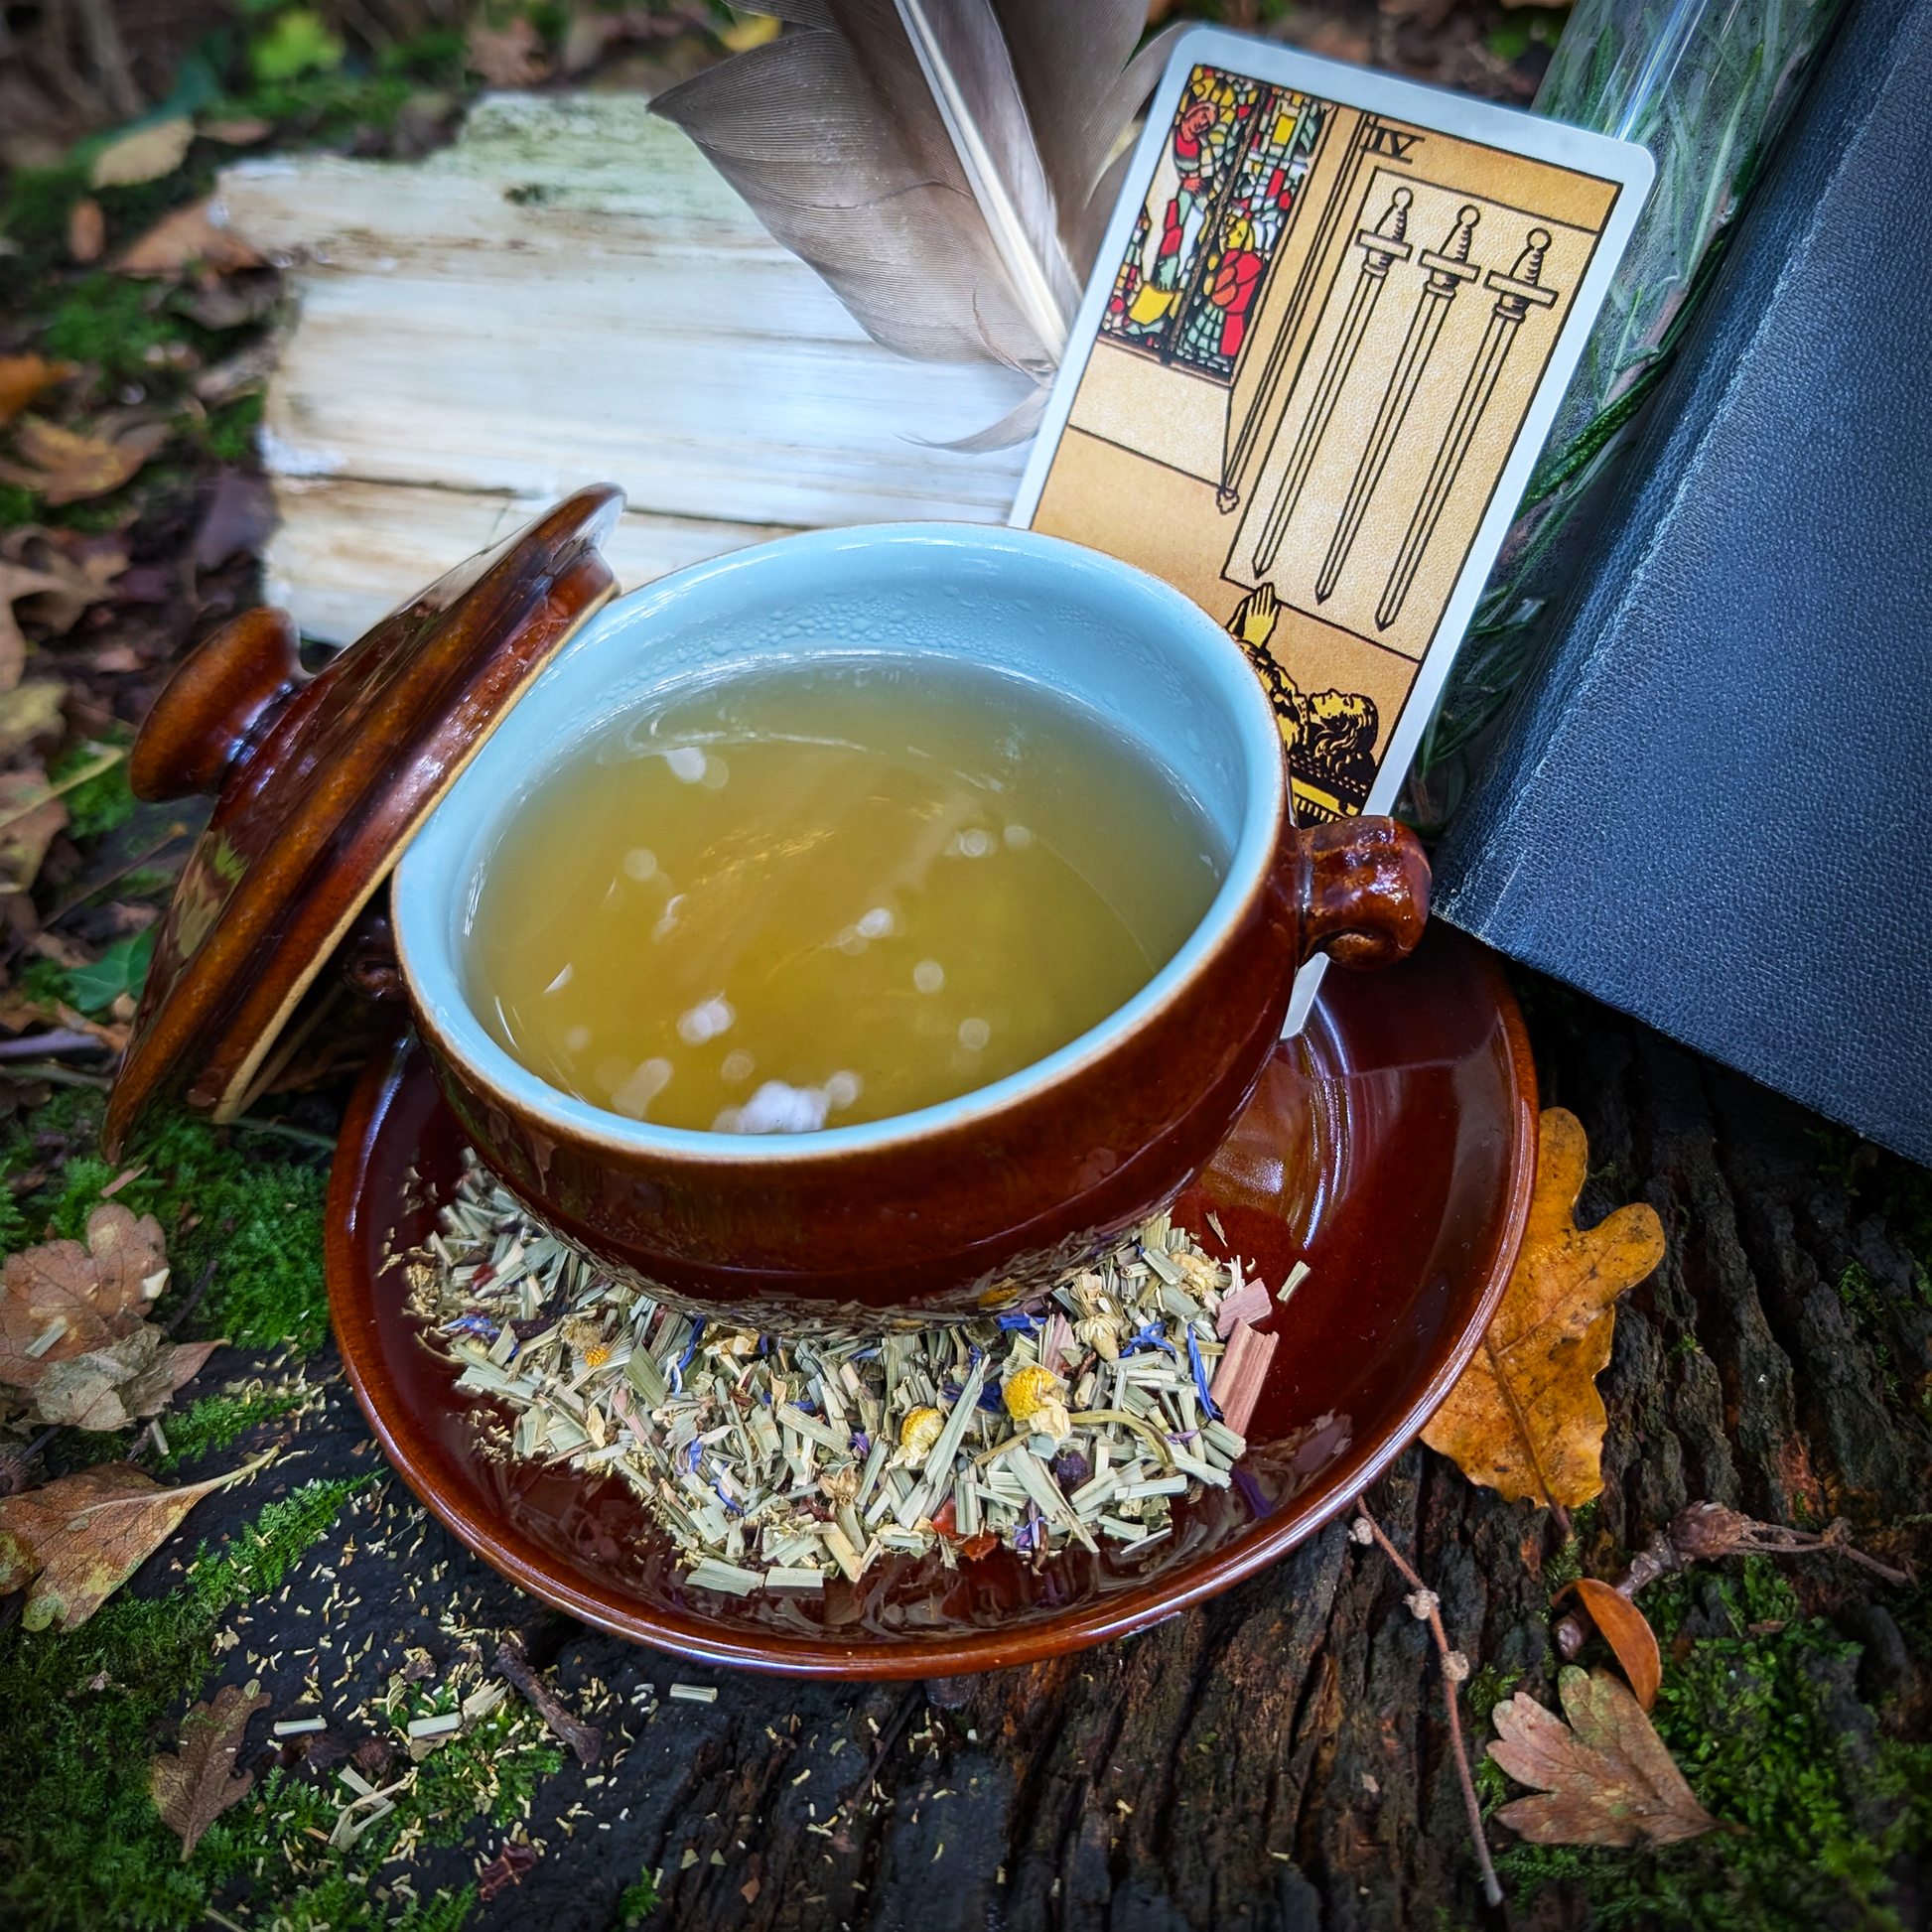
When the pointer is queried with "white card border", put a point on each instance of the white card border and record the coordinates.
(1510, 129)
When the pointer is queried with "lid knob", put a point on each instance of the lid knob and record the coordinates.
(216, 707)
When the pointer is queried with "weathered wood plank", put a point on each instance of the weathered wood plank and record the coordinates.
(348, 552)
(571, 294)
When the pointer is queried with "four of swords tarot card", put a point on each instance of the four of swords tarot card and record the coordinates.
(1326, 333)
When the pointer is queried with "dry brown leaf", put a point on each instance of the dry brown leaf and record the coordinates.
(1605, 1777)
(241, 133)
(190, 237)
(111, 1387)
(193, 1790)
(33, 715)
(512, 58)
(17, 581)
(80, 1539)
(1627, 1631)
(146, 154)
(86, 230)
(79, 579)
(66, 467)
(30, 821)
(23, 377)
(1525, 1419)
(96, 1294)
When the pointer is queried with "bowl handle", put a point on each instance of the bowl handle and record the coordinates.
(1361, 886)
(216, 707)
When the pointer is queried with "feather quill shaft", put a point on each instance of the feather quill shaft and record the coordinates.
(964, 58)
(948, 166)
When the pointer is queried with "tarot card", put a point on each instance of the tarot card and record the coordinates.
(1329, 326)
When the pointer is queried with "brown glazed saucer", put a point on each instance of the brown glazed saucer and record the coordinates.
(1392, 1145)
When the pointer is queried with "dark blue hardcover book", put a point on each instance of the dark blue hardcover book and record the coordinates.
(1713, 808)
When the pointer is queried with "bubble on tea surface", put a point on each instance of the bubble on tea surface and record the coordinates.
(577, 1039)
(929, 976)
(1018, 838)
(777, 1108)
(562, 980)
(738, 1066)
(715, 773)
(974, 1033)
(669, 923)
(687, 763)
(640, 862)
(973, 843)
(850, 941)
(706, 1021)
(842, 1089)
(641, 1088)
(877, 923)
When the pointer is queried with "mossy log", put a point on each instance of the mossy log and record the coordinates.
(1278, 1757)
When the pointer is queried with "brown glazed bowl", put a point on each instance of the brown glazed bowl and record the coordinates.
(979, 1202)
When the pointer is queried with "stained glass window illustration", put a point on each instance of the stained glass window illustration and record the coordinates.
(1214, 214)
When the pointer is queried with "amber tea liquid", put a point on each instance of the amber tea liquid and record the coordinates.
(816, 895)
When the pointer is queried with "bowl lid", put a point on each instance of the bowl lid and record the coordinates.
(321, 782)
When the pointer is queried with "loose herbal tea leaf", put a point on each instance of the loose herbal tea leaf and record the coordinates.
(192, 1790)
(780, 1464)
(1525, 1417)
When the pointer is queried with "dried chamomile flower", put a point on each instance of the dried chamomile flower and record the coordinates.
(1034, 1400)
(917, 1434)
(586, 1339)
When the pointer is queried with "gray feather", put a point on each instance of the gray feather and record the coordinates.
(834, 136)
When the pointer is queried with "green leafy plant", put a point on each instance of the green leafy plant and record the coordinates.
(121, 969)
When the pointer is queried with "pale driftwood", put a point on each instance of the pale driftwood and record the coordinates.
(568, 295)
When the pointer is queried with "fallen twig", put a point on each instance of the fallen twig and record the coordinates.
(585, 1740)
(58, 1040)
(1425, 1604)
(1704, 1532)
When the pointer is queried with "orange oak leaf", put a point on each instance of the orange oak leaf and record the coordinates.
(80, 1539)
(62, 1300)
(192, 1790)
(23, 377)
(1604, 1778)
(66, 467)
(1627, 1631)
(190, 237)
(1525, 1419)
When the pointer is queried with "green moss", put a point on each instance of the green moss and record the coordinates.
(102, 803)
(1747, 1717)
(81, 1843)
(638, 1901)
(221, 1203)
(18, 505)
(111, 321)
(213, 1422)
(229, 432)
(491, 1772)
